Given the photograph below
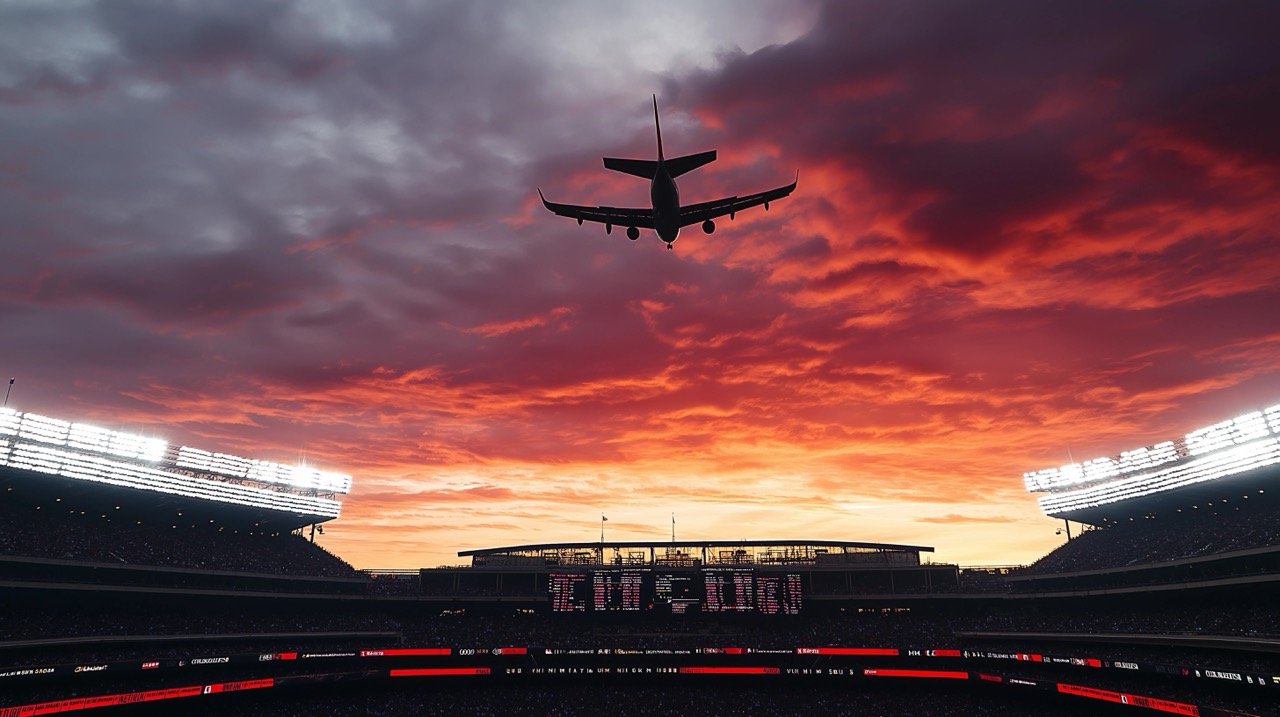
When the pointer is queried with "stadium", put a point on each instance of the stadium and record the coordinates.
(144, 577)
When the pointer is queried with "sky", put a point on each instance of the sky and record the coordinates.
(1024, 234)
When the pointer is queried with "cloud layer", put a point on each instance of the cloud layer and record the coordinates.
(309, 230)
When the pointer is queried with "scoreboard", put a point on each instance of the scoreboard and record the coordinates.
(729, 590)
(711, 590)
(569, 592)
(778, 594)
(617, 590)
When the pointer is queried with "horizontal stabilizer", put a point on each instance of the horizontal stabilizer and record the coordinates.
(645, 168)
(688, 163)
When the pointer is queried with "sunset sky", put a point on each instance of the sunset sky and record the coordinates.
(1024, 233)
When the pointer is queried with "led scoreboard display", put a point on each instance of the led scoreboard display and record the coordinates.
(617, 590)
(729, 590)
(778, 594)
(682, 591)
(570, 592)
(712, 590)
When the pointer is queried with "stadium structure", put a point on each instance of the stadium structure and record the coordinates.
(137, 576)
(766, 576)
(1226, 461)
(89, 458)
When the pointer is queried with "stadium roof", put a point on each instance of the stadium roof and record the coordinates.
(840, 545)
(1227, 459)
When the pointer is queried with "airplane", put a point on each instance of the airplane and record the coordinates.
(666, 216)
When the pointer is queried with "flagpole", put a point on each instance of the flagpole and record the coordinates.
(602, 520)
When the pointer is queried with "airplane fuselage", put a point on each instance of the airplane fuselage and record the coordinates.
(666, 204)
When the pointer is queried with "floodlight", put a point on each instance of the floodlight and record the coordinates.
(1273, 419)
(9, 420)
(43, 428)
(1231, 461)
(82, 466)
(83, 451)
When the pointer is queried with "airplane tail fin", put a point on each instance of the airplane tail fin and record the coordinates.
(648, 169)
(658, 126)
(689, 162)
(643, 168)
(679, 165)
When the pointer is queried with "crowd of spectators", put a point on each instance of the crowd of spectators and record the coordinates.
(412, 626)
(982, 580)
(104, 536)
(623, 698)
(368, 692)
(105, 618)
(1258, 663)
(647, 695)
(392, 584)
(1139, 615)
(925, 627)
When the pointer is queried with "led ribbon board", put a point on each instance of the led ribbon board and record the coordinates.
(1228, 448)
(80, 451)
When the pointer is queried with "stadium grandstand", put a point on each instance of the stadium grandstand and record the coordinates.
(1201, 508)
(140, 577)
(75, 492)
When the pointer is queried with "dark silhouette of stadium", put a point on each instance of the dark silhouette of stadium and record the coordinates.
(143, 577)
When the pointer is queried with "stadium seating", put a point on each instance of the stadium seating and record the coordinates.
(98, 533)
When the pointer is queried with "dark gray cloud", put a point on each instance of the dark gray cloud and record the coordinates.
(997, 112)
(302, 192)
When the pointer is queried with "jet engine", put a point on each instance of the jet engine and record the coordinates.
(708, 226)
(633, 233)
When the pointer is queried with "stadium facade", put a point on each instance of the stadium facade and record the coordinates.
(770, 577)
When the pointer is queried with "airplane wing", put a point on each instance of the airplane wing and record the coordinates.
(695, 213)
(616, 216)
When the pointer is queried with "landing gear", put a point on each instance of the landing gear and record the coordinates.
(669, 246)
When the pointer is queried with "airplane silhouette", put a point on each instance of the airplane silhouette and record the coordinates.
(666, 216)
